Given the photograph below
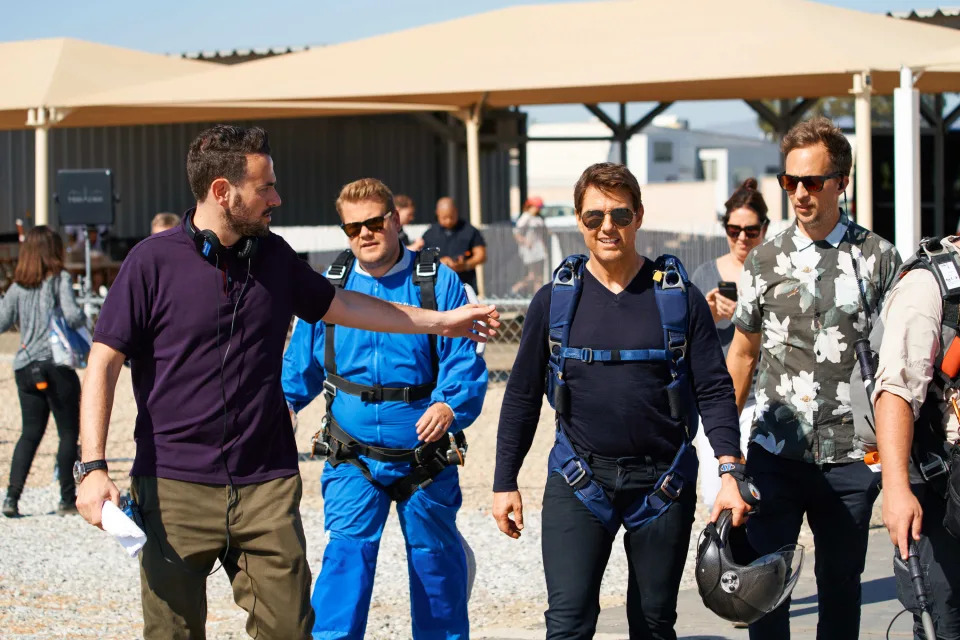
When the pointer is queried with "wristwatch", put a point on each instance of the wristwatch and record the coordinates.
(81, 469)
(729, 467)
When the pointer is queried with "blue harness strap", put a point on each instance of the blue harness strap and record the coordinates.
(671, 295)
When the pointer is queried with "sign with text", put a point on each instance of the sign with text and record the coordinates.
(85, 196)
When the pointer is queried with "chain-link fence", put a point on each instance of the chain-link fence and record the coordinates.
(508, 283)
(505, 268)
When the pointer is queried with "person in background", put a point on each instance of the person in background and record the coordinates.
(745, 223)
(462, 248)
(164, 221)
(530, 233)
(40, 284)
(405, 211)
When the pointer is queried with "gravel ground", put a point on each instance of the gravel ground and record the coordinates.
(60, 578)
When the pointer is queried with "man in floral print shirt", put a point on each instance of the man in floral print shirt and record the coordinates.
(806, 296)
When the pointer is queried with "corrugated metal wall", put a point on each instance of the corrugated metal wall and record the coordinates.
(314, 157)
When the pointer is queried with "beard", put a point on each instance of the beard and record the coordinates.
(241, 221)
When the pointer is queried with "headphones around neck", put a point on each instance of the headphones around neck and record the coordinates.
(212, 250)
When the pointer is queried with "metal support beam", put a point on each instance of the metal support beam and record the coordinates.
(906, 163)
(645, 121)
(800, 109)
(951, 117)
(862, 91)
(603, 117)
(939, 168)
(447, 131)
(622, 134)
(766, 113)
(522, 181)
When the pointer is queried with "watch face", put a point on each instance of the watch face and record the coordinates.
(77, 471)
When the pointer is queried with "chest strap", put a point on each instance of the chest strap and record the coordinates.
(425, 277)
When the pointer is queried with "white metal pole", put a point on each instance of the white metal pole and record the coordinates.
(906, 164)
(862, 89)
(473, 167)
(41, 163)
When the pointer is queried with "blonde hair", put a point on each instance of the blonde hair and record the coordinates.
(166, 220)
(366, 189)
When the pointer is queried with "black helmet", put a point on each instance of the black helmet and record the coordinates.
(733, 586)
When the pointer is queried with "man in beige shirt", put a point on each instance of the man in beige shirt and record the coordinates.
(912, 316)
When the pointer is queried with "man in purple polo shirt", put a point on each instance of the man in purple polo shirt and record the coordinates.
(202, 311)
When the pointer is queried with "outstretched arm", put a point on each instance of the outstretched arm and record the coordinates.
(352, 309)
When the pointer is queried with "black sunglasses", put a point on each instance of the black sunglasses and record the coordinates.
(352, 229)
(752, 231)
(593, 219)
(813, 184)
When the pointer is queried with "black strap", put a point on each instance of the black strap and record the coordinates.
(428, 460)
(425, 269)
(378, 393)
(350, 447)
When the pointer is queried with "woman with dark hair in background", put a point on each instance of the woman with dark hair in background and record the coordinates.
(40, 285)
(745, 223)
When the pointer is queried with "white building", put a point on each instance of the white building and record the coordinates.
(659, 154)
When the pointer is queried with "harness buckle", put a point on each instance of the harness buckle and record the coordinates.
(565, 277)
(426, 270)
(581, 473)
(678, 346)
(668, 488)
(336, 272)
(372, 395)
(329, 388)
(935, 467)
(672, 279)
(586, 354)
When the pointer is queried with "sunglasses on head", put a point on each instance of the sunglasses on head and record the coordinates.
(752, 231)
(352, 229)
(593, 219)
(812, 184)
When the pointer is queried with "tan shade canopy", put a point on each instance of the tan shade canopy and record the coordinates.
(620, 50)
(58, 72)
(54, 72)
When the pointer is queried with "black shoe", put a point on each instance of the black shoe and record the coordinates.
(10, 508)
(67, 508)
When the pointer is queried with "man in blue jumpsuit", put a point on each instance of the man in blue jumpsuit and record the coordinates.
(445, 392)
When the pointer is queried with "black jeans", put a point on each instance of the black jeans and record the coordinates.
(838, 500)
(940, 558)
(62, 397)
(576, 548)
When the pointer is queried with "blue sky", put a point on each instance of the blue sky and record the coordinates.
(173, 26)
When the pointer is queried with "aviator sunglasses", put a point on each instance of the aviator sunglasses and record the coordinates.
(813, 184)
(752, 231)
(593, 219)
(352, 229)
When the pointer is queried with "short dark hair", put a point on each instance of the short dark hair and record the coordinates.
(747, 196)
(221, 152)
(820, 130)
(41, 255)
(607, 177)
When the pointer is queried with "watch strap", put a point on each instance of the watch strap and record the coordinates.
(86, 467)
(732, 467)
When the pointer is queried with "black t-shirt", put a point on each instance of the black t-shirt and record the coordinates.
(455, 242)
(617, 409)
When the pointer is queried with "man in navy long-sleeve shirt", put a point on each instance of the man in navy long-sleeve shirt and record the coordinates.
(619, 420)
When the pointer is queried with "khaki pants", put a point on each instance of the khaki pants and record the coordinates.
(266, 562)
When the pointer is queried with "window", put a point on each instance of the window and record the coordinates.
(663, 152)
(709, 168)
